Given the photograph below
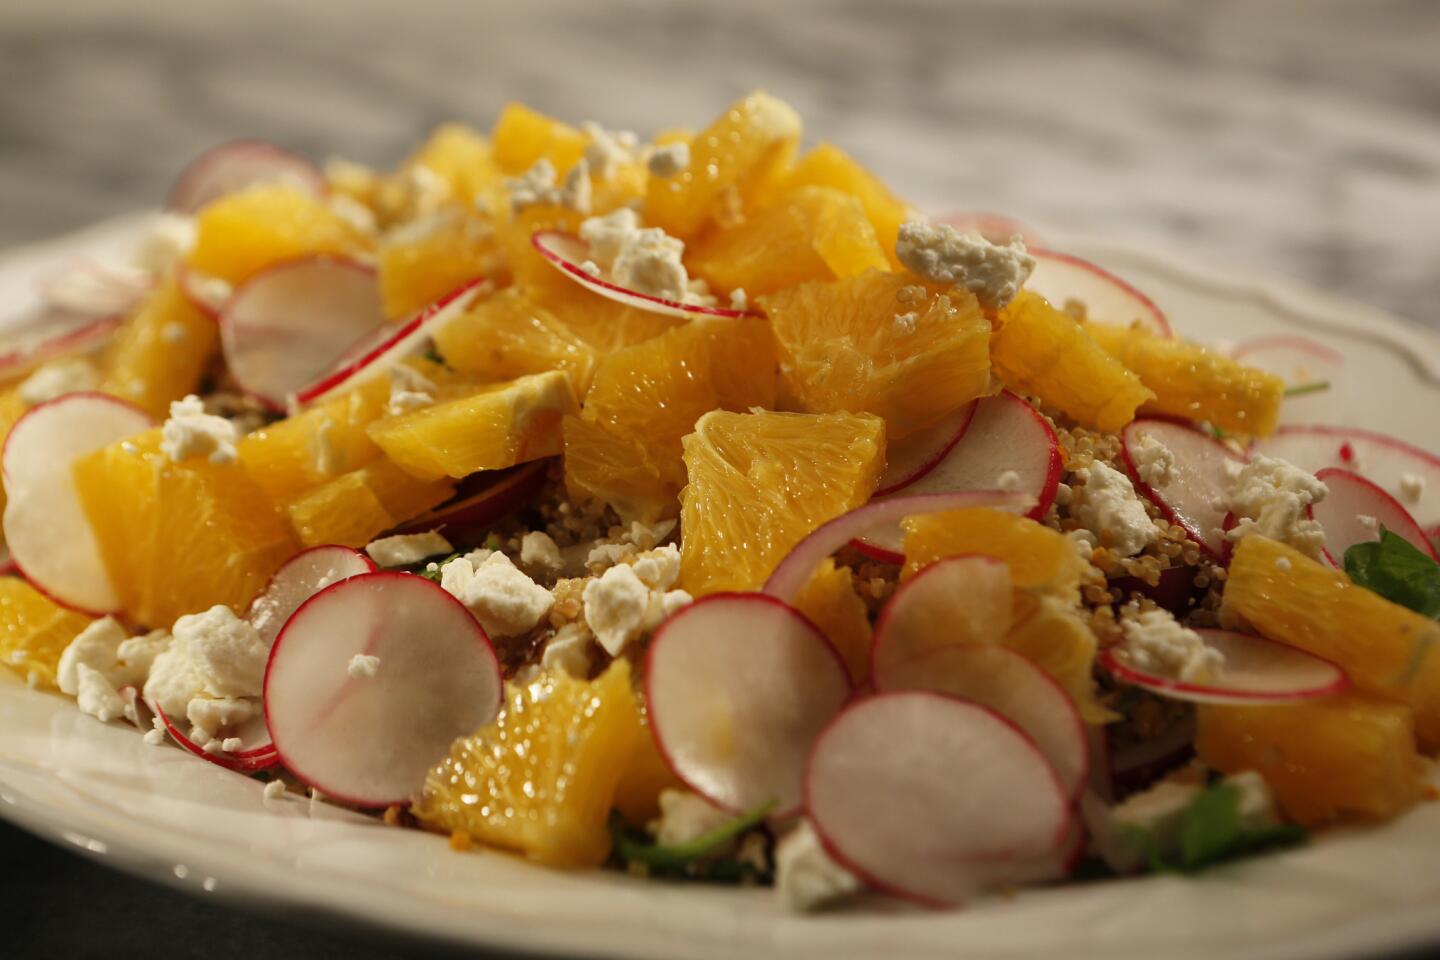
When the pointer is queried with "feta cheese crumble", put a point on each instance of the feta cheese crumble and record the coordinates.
(210, 291)
(937, 251)
(665, 162)
(537, 187)
(628, 600)
(409, 390)
(502, 598)
(538, 551)
(1270, 497)
(191, 432)
(56, 379)
(96, 696)
(1412, 487)
(1157, 643)
(1153, 460)
(170, 237)
(405, 549)
(607, 150)
(1107, 504)
(685, 817)
(739, 299)
(569, 651)
(646, 260)
(363, 666)
(274, 790)
(805, 875)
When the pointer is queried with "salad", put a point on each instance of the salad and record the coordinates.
(699, 509)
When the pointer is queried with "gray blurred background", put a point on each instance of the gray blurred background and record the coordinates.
(1282, 136)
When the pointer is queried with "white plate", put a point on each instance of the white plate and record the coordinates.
(162, 814)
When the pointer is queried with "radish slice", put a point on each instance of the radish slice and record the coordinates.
(738, 685)
(1059, 277)
(1354, 511)
(481, 501)
(262, 756)
(1256, 671)
(1012, 686)
(51, 335)
(287, 325)
(916, 455)
(794, 572)
(97, 289)
(1193, 495)
(995, 227)
(376, 353)
(206, 294)
(370, 740)
(1007, 445)
(958, 600)
(566, 252)
(299, 579)
(1378, 458)
(933, 798)
(1301, 363)
(46, 528)
(231, 167)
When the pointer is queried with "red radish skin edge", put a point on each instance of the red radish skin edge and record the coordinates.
(280, 752)
(934, 459)
(1341, 434)
(484, 506)
(198, 168)
(182, 280)
(1155, 497)
(358, 555)
(1156, 314)
(887, 612)
(776, 815)
(75, 340)
(1420, 540)
(1288, 342)
(250, 761)
(1107, 657)
(543, 241)
(1062, 834)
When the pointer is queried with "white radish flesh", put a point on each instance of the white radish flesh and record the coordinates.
(910, 458)
(231, 167)
(1354, 510)
(958, 600)
(1194, 491)
(1305, 364)
(299, 579)
(1059, 277)
(258, 754)
(52, 335)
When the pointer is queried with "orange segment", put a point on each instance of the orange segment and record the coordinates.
(813, 233)
(1040, 559)
(496, 427)
(637, 796)
(239, 234)
(459, 155)
(419, 264)
(163, 352)
(645, 398)
(510, 335)
(1347, 755)
(34, 631)
(747, 143)
(833, 605)
(1045, 352)
(1054, 638)
(826, 165)
(760, 482)
(602, 323)
(353, 509)
(521, 136)
(1191, 381)
(882, 343)
(541, 780)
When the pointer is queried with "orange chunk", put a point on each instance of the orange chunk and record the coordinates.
(1041, 560)
(760, 482)
(606, 326)
(353, 509)
(509, 335)
(420, 263)
(826, 165)
(162, 353)
(1052, 635)
(637, 796)
(521, 136)
(460, 156)
(34, 631)
(1045, 352)
(240, 233)
(833, 605)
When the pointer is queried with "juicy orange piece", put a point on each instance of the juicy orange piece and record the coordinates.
(1191, 381)
(542, 778)
(833, 605)
(747, 143)
(34, 631)
(602, 323)
(420, 263)
(637, 796)
(239, 234)
(509, 335)
(1041, 560)
(645, 398)
(882, 343)
(459, 155)
(495, 427)
(513, 233)
(179, 537)
(826, 165)
(1044, 351)
(353, 509)
(813, 233)
(162, 353)
(760, 482)
(1050, 633)
(1387, 650)
(1347, 755)
(521, 136)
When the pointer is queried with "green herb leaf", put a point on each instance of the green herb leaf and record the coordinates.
(1211, 832)
(1305, 389)
(1398, 571)
(422, 569)
(634, 846)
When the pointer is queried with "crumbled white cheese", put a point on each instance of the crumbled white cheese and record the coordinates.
(355, 214)
(232, 744)
(671, 601)
(426, 191)
(1157, 813)
(1108, 506)
(274, 790)
(805, 875)
(937, 251)
(537, 186)
(170, 237)
(56, 379)
(646, 260)
(590, 267)
(1270, 498)
(647, 535)
(409, 390)
(538, 551)
(363, 666)
(607, 150)
(96, 696)
(210, 291)
(1153, 460)
(615, 606)
(665, 162)
(191, 432)
(502, 598)
(575, 191)
(1257, 803)
(1368, 522)
(905, 323)
(156, 734)
(227, 653)
(209, 715)
(569, 651)
(685, 817)
(658, 569)
(1157, 643)
(96, 648)
(1412, 487)
(404, 549)
(739, 299)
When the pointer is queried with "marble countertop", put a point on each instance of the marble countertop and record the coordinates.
(1291, 137)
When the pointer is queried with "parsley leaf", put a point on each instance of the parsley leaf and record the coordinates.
(1210, 833)
(422, 569)
(634, 846)
(1398, 571)
(1304, 389)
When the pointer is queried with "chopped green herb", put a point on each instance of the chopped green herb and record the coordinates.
(1216, 432)
(686, 860)
(1305, 389)
(1211, 833)
(422, 569)
(1398, 571)
(493, 542)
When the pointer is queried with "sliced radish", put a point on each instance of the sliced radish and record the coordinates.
(46, 528)
(958, 600)
(231, 167)
(288, 324)
(480, 501)
(794, 572)
(258, 754)
(1304, 365)
(1059, 277)
(97, 289)
(206, 294)
(916, 455)
(1193, 495)
(370, 740)
(566, 252)
(299, 579)
(1354, 511)
(1007, 445)
(1256, 671)
(738, 685)
(1383, 460)
(1012, 686)
(373, 355)
(51, 335)
(934, 798)
(995, 227)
